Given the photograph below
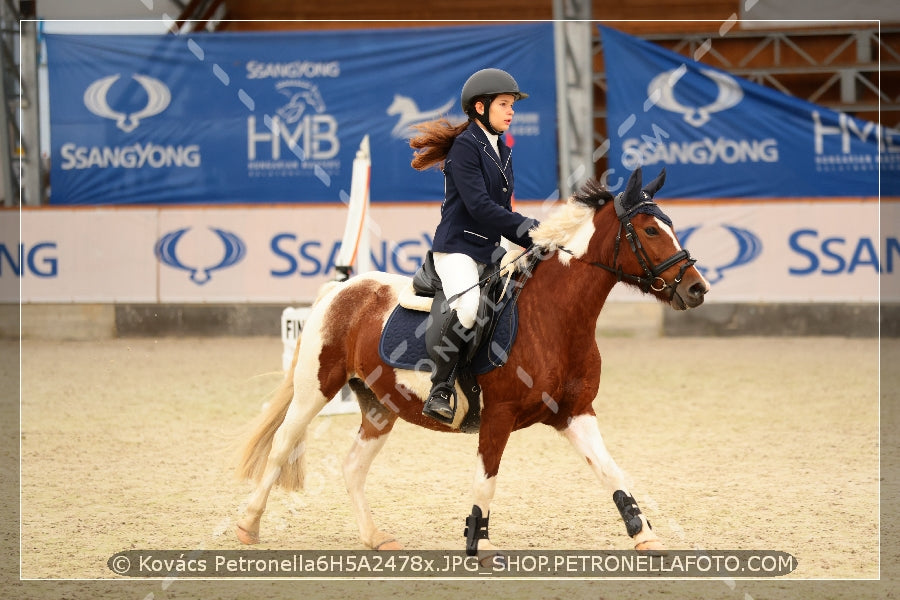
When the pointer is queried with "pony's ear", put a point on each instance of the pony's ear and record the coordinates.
(630, 196)
(633, 186)
(653, 187)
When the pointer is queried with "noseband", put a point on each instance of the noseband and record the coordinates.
(652, 278)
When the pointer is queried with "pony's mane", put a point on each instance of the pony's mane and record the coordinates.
(567, 218)
(593, 194)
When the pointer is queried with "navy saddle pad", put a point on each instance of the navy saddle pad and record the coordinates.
(402, 342)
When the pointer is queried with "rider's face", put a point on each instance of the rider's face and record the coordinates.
(501, 111)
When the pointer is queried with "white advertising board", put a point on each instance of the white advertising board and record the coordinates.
(775, 251)
(832, 251)
(81, 255)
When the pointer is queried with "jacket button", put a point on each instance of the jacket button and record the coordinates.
(496, 243)
(504, 189)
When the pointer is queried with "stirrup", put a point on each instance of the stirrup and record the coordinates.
(441, 403)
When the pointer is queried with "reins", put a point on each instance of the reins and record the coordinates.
(530, 250)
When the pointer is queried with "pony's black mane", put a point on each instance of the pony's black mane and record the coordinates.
(593, 194)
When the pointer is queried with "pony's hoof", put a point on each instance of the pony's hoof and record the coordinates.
(388, 545)
(653, 545)
(493, 560)
(246, 537)
(490, 556)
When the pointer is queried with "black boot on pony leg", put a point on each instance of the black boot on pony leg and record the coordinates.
(441, 403)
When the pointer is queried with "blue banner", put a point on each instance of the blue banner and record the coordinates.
(719, 136)
(278, 117)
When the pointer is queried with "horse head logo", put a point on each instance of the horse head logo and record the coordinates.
(749, 247)
(410, 114)
(662, 89)
(300, 95)
(158, 98)
(165, 251)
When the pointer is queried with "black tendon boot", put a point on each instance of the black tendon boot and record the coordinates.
(441, 403)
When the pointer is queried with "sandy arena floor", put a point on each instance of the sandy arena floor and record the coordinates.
(740, 443)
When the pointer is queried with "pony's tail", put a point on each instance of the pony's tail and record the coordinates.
(253, 456)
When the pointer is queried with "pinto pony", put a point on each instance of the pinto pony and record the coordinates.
(551, 376)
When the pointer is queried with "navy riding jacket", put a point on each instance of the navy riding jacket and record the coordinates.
(477, 209)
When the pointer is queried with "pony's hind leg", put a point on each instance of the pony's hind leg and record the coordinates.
(584, 434)
(373, 433)
(304, 397)
(286, 453)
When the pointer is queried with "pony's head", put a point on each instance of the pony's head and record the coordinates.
(635, 242)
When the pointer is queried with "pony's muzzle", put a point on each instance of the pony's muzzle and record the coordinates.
(692, 298)
(695, 295)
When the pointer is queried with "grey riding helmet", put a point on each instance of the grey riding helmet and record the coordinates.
(485, 84)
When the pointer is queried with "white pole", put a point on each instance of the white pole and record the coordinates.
(355, 248)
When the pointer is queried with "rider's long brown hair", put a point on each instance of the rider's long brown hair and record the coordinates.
(433, 142)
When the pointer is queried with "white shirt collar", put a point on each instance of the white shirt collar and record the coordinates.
(494, 141)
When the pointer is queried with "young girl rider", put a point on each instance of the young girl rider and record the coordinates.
(475, 215)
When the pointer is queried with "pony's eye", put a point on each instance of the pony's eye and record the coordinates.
(651, 231)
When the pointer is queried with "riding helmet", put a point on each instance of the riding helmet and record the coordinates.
(488, 82)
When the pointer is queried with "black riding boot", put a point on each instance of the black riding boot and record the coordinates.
(441, 403)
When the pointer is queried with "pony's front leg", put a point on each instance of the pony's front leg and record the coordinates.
(584, 434)
(492, 441)
(476, 532)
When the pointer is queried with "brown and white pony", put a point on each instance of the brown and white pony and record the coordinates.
(552, 375)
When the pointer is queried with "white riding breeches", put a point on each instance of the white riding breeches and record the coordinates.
(459, 273)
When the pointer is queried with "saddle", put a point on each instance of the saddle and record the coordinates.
(413, 329)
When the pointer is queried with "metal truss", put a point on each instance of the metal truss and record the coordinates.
(22, 169)
(573, 33)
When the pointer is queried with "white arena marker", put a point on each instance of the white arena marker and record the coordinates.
(354, 251)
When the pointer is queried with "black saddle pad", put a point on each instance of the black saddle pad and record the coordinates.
(402, 342)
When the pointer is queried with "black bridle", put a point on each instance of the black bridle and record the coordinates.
(652, 278)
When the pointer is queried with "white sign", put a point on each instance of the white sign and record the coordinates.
(780, 251)
(766, 251)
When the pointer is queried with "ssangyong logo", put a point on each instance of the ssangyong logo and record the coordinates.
(166, 250)
(711, 145)
(662, 89)
(96, 101)
(739, 248)
(148, 153)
